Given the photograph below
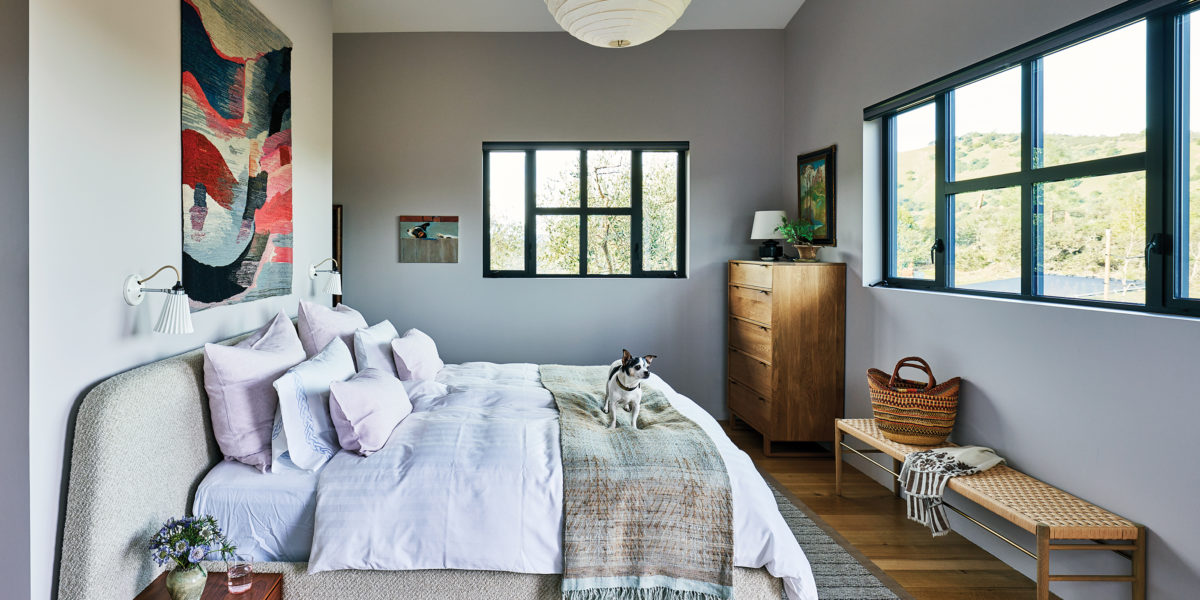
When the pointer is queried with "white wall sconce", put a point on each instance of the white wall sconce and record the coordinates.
(334, 287)
(176, 315)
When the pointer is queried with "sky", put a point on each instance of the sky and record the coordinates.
(1097, 87)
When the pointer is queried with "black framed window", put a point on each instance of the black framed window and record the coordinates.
(1060, 171)
(605, 209)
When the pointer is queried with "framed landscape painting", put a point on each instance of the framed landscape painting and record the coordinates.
(816, 174)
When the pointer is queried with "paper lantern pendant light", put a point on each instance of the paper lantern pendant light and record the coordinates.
(616, 23)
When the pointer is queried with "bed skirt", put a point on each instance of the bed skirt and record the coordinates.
(748, 584)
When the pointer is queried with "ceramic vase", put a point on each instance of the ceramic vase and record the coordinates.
(186, 584)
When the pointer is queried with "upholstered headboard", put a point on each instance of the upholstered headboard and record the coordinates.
(142, 444)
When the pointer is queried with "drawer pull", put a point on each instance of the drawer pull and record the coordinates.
(763, 292)
(761, 399)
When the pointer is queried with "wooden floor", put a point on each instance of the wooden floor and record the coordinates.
(872, 520)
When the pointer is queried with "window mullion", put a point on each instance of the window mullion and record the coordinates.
(943, 218)
(583, 215)
(1178, 204)
(635, 214)
(530, 216)
(1031, 158)
(1161, 91)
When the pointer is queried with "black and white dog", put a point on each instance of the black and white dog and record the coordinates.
(625, 386)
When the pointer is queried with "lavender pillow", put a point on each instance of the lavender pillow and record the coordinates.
(366, 409)
(373, 347)
(416, 356)
(320, 324)
(309, 438)
(238, 381)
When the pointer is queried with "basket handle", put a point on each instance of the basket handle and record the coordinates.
(915, 362)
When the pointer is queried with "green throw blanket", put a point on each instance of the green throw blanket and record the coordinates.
(647, 513)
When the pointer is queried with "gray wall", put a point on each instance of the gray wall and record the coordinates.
(410, 113)
(1100, 403)
(14, 294)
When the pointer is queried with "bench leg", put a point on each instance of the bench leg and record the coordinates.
(837, 460)
(1043, 562)
(1139, 565)
(896, 464)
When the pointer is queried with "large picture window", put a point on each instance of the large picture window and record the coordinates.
(1061, 171)
(585, 210)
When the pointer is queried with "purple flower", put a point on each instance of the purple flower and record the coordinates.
(197, 554)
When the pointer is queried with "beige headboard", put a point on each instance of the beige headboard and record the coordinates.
(142, 444)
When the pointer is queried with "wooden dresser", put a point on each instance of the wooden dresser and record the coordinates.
(787, 349)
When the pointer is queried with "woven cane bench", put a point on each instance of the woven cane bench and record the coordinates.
(1049, 513)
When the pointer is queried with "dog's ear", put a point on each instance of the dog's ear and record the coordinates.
(649, 358)
(625, 355)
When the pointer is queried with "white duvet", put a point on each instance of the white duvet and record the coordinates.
(473, 480)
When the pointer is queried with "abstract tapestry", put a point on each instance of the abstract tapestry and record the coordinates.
(237, 154)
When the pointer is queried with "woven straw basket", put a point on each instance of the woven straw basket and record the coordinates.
(913, 412)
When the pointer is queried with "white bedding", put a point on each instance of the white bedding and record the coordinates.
(473, 480)
(268, 517)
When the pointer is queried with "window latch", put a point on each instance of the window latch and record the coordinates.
(1160, 243)
(938, 246)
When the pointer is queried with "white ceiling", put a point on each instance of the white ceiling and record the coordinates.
(357, 16)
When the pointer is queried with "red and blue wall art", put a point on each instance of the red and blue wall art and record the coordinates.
(237, 154)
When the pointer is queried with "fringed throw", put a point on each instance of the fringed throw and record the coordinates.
(647, 513)
(926, 473)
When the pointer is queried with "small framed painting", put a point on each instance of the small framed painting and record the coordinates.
(428, 239)
(816, 174)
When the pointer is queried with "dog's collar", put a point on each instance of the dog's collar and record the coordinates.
(628, 389)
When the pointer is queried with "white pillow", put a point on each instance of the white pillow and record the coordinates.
(421, 391)
(308, 435)
(373, 348)
(416, 356)
(320, 324)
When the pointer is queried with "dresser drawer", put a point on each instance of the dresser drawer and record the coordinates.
(750, 274)
(752, 339)
(751, 372)
(750, 406)
(750, 303)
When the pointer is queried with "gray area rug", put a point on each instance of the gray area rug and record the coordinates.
(839, 574)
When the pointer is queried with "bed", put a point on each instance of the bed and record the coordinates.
(143, 449)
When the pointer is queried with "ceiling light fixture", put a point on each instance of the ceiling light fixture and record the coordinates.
(616, 23)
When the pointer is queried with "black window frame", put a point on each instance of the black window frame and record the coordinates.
(634, 211)
(1163, 161)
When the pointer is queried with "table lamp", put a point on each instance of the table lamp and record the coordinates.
(765, 224)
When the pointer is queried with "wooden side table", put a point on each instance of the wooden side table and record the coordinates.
(267, 586)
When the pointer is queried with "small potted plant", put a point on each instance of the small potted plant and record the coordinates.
(183, 544)
(800, 234)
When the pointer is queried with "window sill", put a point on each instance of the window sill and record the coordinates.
(1037, 303)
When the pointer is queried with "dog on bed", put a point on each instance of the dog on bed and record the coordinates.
(624, 388)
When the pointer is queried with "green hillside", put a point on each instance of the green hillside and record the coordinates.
(1085, 220)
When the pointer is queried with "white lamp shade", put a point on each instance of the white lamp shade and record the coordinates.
(176, 316)
(616, 23)
(334, 287)
(765, 222)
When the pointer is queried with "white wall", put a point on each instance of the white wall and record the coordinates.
(14, 298)
(1102, 404)
(411, 113)
(104, 203)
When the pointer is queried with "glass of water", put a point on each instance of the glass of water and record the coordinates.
(239, 575)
